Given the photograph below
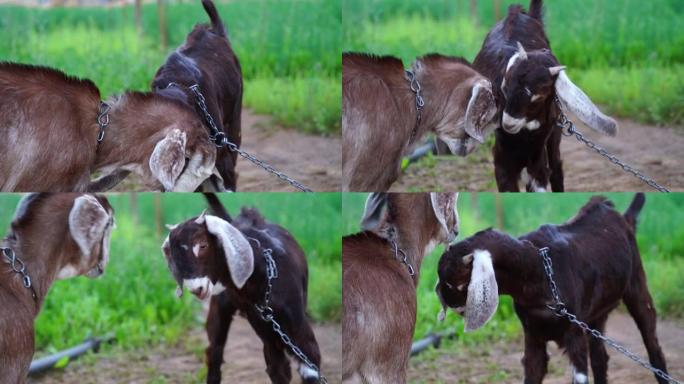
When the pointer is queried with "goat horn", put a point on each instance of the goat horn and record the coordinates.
(200, 218)
(554, 71)
(522, 52)
(171, 227)
(467, 259)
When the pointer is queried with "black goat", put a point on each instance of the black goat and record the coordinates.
(223, 259)
(596, 264)
(526, 77)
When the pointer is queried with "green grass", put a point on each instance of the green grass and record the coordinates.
(660, 239)
(626, 54)
(288, 50)
(134, 300)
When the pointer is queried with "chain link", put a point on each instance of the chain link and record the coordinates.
(560, 310)
(21, 269)
(403, 258)
(420, 102)
(267, 313)
(568, 128)
(220, 140)
(103, 120)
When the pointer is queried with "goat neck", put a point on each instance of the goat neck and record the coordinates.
(137, 123)
(415, 242)
(518, 268)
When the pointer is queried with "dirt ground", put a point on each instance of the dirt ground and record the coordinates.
(500, 362)
(657, 151)
(314, 161)
(180, 364)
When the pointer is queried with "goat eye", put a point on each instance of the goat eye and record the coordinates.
(202, 246)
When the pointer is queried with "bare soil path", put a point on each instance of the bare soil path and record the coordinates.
(314, 161)
(657, 151)
(180, 364)
(500, 362)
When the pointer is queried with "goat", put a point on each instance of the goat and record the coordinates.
(50, 124)
(596, 263)
(221, 258)
(207, 59)
(380, 120)
(527, 78)
(379, 290)
(54, 236)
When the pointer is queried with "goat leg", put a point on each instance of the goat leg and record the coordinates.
(575, 342)
(277, 363)
(305, 339)
(640, 306)
(535, 359)
(598, 355)
(555, 162)
(221, 313)
(107, 182)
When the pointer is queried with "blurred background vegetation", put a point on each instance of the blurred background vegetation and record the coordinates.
(135, 299)
(626, 54)
(289, 49)
(659, 236)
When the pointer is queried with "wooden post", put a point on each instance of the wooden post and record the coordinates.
(497, 10)
(138, 16)
(158, 214)
(473, 12)
(163, 33)
(499, 211)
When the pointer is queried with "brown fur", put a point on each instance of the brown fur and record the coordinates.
(40, 237)
(379, 294)
(379, 112)
(49, 122)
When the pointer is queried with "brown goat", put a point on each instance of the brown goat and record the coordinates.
(56, 236)
(379, 115)
(49, 124)
(379, 293)
(207, 59)
(596, 264)
(223, 259)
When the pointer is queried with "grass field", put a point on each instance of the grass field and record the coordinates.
(660, 239)
(626, 54)
(134, 299)
(289, 50)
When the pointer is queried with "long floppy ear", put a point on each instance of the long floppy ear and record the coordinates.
(444, 205)
(239, 255)
(479, 107)
(375, 212)
(483, 292)
(168, 158)
(576, 101)
(87, 222)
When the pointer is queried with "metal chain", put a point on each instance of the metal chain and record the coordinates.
(103, 120)
(568, 129)
(560, 310)
(267, 313)
(221, 140)
(420, 102)
(403, 258)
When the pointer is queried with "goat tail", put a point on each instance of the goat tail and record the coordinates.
(536, 9)
(216, 207)
(634, 208)
(216, 23)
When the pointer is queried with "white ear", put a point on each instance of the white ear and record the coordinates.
(87, 222)
(239, 255)
(483, 292)
(168, 158)
(576, 101)
(444, 205)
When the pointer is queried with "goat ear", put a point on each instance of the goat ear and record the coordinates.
(87, 222)
(168, 158)
(238, 252)
(576, 101)
(483, 292)
(479, 107)
(444, 205)
(375, 212)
